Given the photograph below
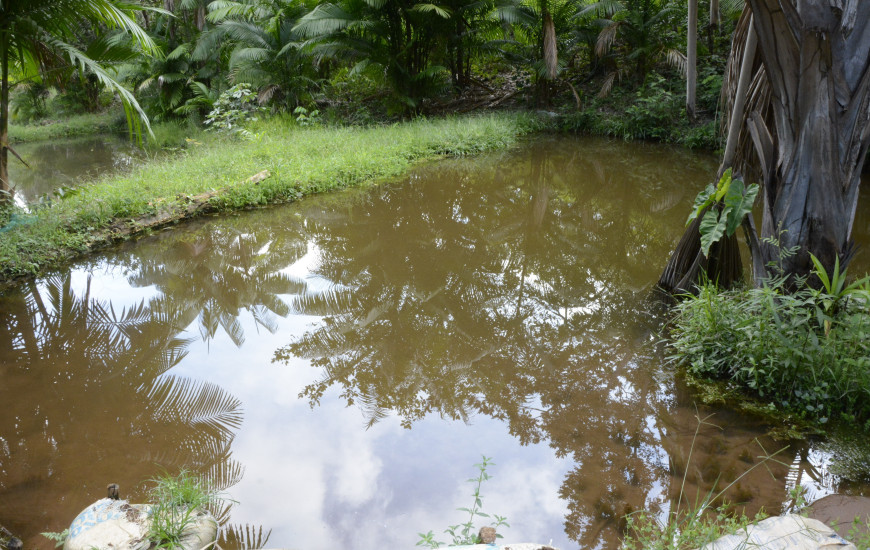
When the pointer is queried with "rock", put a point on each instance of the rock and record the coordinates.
(790, 532)
(839, 511)
(487, 535)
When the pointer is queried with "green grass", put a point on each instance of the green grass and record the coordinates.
(175, 503)
(301, 161)
(76, 125)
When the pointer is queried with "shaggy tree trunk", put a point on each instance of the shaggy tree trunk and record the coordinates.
(692, 59)
(808, 122)
(816, 54)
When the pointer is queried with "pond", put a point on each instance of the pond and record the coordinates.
(67, 162)
(338, 365)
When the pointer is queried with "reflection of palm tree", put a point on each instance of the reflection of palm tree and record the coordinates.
(213, 274)
(109, 397)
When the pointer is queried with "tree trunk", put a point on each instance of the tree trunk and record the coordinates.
(818, 68)
(692, 59)
(715, 20)
(5, 187)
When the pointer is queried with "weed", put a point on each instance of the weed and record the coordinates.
(58, 538)
(176, 500)
(859, 533)
(804, 352)
(464, 533)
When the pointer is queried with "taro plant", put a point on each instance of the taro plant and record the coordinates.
(234, 107)
(464, 533)
(725, 204)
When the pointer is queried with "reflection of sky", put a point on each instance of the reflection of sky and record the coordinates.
(318, 478)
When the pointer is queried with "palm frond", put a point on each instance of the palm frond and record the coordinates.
(432, 8)
(199, 404)
(322, 20)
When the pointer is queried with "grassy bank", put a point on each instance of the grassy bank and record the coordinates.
(216, 175)
(77, 125)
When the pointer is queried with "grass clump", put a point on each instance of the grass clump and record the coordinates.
(217, 170)
(805, 352)
(176, 501)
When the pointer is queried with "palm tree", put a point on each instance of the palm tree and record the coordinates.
(41, 32)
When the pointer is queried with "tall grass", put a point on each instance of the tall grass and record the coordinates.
(300, 161)
(807, 352)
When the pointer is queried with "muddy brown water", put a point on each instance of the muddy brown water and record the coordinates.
(68, 162)
(337, 366)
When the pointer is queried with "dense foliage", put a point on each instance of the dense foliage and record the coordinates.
(806, 352)
(359, 60)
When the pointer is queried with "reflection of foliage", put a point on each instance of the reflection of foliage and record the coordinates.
(213, 274)
(519, 293)
(110, 396)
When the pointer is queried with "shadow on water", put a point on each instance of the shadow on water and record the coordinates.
(511, 291)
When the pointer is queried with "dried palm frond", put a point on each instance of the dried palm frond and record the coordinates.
(677, 60)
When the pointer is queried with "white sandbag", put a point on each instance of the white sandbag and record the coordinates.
(112, 524)
(792, 532)
(117, 525)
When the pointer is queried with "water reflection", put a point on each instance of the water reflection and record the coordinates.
(84, 378)
(498, 306)
(66, 162)
(521, 292)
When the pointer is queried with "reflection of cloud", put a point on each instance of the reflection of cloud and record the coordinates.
(319, 479)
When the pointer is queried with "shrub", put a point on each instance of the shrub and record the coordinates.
(807, 352)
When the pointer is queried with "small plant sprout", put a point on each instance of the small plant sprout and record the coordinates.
(58, 538)
(464, 533)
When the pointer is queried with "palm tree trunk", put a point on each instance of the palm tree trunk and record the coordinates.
(692, 59)
(816, 62)
(5, 188)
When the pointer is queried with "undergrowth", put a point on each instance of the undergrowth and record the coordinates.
(654, 112)
(806, 352)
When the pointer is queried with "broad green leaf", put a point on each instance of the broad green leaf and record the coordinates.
(702, 201)
(724, 184)
(740, 201)
(712, 228)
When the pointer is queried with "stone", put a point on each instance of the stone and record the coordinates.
(487, 535)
